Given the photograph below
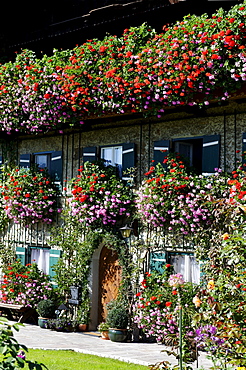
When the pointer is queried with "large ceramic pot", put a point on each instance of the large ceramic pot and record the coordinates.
(43, 322)
(117, 335)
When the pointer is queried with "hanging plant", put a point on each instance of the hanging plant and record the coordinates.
(29, 196)
(175, 200)
(99, 197)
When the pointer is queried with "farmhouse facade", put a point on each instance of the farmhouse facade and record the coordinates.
(209, 138)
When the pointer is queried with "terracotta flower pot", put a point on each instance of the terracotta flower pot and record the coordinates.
(104, 335)
(82, 327)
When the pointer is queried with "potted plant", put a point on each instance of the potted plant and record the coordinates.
(46, 310)
(65, 324)
(117, 319)
(83, 315)
(103, 327)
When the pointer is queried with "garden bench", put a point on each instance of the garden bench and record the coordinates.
(23, 313)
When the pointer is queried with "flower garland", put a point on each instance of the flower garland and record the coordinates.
(28, 196)
(99, 197)
(191, 62)
(30, 99)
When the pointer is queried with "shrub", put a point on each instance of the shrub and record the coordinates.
(46, 308)
(117, 316)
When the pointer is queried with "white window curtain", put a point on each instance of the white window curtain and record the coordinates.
(187, 266)
(41, 258)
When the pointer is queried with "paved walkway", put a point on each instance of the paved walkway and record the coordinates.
(90, 343)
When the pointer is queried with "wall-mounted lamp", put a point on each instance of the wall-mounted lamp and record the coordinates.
(126, 232)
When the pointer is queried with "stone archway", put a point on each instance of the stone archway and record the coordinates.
(109, 280)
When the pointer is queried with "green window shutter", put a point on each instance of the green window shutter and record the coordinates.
(161, 149)
(90, 154)
(128, 158)
(210, 153)
(157, 260)
(25, 160)
(54, 257)
(56, 168)
(21, 254)
(202, 272)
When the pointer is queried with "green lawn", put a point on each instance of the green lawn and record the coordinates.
(70, 360)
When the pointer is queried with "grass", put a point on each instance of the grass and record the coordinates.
(70, 360)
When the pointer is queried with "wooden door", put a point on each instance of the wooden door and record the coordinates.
(109, 280)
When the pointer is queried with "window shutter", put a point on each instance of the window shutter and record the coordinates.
(55, 254)
(21, 254)
(161, 149)
(25, 160)
(128, 158)
(157, 260)
(244, 148)
(90, 154)
(56, 168)
(202, 271)
(210, 153)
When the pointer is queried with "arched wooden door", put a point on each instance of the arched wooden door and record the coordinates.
(109, 280)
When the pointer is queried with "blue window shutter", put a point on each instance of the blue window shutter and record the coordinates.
(210, 153)
(90, 154)
(21, 254)
(55, 254)
(244, 148)
(56, 167)
(128, 158)
(161, 149)
(25, 160)
(157, 260)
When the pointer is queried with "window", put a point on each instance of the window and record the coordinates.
(112, 155)
(186, 265)
(50, 160)
(202, 153)
(45, 258)
(121, 155)
(42, 160)
(41, 258)
(191, 150)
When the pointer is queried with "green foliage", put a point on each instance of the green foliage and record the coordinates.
(117, 316)
(73, 267)
(13, 353)
(46, 308)
(103, 326)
